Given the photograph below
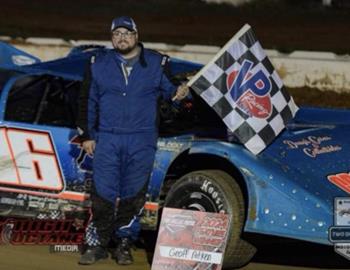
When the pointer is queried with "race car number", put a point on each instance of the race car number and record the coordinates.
(28, 160)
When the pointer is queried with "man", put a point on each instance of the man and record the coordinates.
(118, 114)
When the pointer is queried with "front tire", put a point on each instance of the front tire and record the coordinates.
(215, 191)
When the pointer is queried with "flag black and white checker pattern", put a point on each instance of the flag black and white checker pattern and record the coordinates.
(211, 84)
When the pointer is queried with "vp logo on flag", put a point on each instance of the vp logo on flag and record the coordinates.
(250, 90)
(244, 89)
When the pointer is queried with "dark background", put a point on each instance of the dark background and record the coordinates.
(285, 25)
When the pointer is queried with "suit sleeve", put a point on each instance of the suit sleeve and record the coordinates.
(88, 107)
(167, 87)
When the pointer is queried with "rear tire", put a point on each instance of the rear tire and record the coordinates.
(215, 191)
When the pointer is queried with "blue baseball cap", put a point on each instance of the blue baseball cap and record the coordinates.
(124, 21)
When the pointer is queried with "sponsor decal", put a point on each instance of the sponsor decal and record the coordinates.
(211, 190)
(21, 60)
(149, 217)
(313, 146)
(341, 180)
(342, 212)
(343, 250)
(250, 88)
(12, 201)
(339, 234)
(170, 146)
(83, 160)
(42, 232)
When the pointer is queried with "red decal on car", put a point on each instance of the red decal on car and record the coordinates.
(342, 180)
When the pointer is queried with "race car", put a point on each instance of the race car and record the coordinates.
(287, 190)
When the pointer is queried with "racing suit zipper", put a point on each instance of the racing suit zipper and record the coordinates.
(125, 94)
(125, 73)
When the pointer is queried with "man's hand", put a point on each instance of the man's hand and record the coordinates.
(89, 147)
(181, 92)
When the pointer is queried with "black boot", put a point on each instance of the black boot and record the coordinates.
(92, 255)
(122, 254)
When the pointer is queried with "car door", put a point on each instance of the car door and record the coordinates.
(43, 170)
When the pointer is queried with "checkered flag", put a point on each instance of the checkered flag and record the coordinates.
(242, 86)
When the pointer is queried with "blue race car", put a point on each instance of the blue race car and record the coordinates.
(288, 190)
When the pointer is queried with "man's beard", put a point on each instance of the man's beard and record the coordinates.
(126, 50)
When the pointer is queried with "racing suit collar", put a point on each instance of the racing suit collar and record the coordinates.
(142, 56)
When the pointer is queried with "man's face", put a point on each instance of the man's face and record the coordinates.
(124, 40)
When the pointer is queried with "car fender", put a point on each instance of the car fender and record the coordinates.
(277, 205)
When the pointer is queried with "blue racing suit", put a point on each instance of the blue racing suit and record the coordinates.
(122, 114)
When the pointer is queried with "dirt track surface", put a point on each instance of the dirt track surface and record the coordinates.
(286, 27)
(39, 258)
(306, 96)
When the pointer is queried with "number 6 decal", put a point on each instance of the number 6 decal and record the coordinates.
(28, 160)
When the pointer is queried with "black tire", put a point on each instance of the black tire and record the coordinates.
(215, 191)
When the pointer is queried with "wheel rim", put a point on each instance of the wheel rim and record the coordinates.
(198, 201)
